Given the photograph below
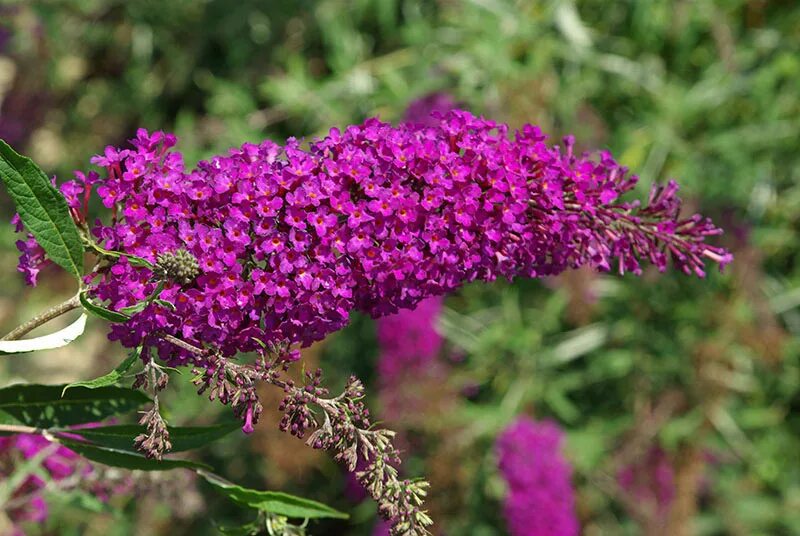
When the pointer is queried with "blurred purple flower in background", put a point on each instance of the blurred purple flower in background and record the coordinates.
(65, 470)
(408, 340)
(650, 480)
(27, 502)
(5, 36)
(421, 111)
(540, 500)
(6, 31)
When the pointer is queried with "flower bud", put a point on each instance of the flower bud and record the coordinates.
(180, 266)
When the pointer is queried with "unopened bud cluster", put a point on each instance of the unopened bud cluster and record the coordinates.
(297, 415)
(233, 385)
(155, 442)
(180, 267)
(347, 430)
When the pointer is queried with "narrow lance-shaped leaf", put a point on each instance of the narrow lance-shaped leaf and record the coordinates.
(127, 460)
(100, 311)
(133, 259)
(42, 406)
(46, 342)
(274, 502)
(6, 419)
(183, 438)
(43, 209)
(112, 377)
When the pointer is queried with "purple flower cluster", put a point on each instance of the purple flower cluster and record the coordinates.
(32, 256)
(408, 340)
(373, 218)
(650, 480)
(540, 500)
(60, 464)
(65, 467)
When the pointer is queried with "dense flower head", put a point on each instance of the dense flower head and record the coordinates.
(540, 499)
(408, 340)
(374, 218)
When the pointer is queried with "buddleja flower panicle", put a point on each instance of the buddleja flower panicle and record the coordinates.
(278, 245)
(374, 218)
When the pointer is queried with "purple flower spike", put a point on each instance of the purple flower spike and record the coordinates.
(281, 244)
(540, 500)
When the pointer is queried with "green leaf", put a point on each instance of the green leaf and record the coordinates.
(127, 460)
(5, 419)
(100, 311)
(133, 259)
(42, 209)
(112, 377)
(183, 438)
(274, 502)
(42, 406)
(77, 498)
(165, 303)
(249, 529)
(46, 342)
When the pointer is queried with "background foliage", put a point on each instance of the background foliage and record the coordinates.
(703, 91)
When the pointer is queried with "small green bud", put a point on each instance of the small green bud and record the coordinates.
(179, 266)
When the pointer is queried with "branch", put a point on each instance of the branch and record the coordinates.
(19, 429)
(42, 318)
(184, 345)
